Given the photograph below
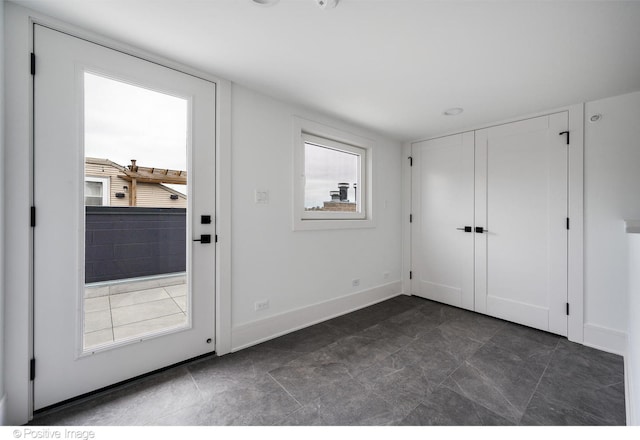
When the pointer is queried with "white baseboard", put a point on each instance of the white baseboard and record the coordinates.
(252, 333)
(3, 410)
(605, 339)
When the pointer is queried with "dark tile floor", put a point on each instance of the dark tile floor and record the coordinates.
(405, 361)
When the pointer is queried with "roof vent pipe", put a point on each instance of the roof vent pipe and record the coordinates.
(327, 4)
(343, 187)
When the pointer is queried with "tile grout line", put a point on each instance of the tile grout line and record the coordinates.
(450, 376)
(142, 304)
(175, 302)
(195, 383)
(150, 319)
(487, 379)
(145, 302)
(112, 327)
(535, 389)
(113, 334)
(85, 333)
(286, 391)
(479, 403)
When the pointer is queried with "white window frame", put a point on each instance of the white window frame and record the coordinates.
(106, 188)
(361, 172)
(306, 131)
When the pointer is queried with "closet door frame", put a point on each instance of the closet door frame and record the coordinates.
(575, 251)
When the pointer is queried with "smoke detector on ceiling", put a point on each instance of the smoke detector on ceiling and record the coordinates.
(453, 111)
(327, 4)
(266, 2)
(322, 4)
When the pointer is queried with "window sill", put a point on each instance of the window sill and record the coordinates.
(318, 225)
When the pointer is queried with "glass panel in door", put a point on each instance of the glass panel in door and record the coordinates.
(136, 184)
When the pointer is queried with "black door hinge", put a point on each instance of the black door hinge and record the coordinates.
(567, 223)
(567, 309)
(410, 275)
(568, 135)
(410, 161)
(410, 218)
(216, 238)
(32, 369)
(33, 216)
(33, 63)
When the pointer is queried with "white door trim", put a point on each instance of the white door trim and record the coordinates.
(575, 281)
(575, 284)
(18, 170)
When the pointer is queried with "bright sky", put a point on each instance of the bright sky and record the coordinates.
(324, 169)
(124, 122)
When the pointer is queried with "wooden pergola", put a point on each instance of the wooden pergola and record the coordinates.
(136, 174)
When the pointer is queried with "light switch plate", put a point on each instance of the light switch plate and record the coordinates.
(262, 197)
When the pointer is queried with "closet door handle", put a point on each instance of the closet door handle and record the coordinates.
(465, 229)
(481, 230)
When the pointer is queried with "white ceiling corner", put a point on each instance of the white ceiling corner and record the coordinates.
(392, 66)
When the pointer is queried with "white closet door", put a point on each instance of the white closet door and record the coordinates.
(521, 202)
(443, 191)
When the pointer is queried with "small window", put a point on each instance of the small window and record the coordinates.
(332, 183)
(333, 189)
(96, 191)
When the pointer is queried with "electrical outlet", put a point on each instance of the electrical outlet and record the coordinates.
(355, 283)
(261, 305)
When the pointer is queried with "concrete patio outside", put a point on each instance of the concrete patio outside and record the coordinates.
(117, 311)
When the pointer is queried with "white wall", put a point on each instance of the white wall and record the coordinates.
(612, 180)
(632, 364)
(297, 271)
(2, 369)
(306, 275)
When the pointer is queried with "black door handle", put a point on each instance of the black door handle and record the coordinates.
(204, 238)
(481, 230)
(465, 229)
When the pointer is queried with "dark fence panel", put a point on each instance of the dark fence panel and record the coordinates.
(124, 242)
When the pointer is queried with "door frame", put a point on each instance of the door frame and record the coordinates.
(575, 250)
(19, 323)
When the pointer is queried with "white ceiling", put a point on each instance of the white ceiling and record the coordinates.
(389, 65)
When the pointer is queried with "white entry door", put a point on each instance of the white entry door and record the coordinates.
(442, 224)
(521, 206)
(120, 287)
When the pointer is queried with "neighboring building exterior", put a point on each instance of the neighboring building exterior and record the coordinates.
(339, 201)
(106, 185)
(338, 206)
